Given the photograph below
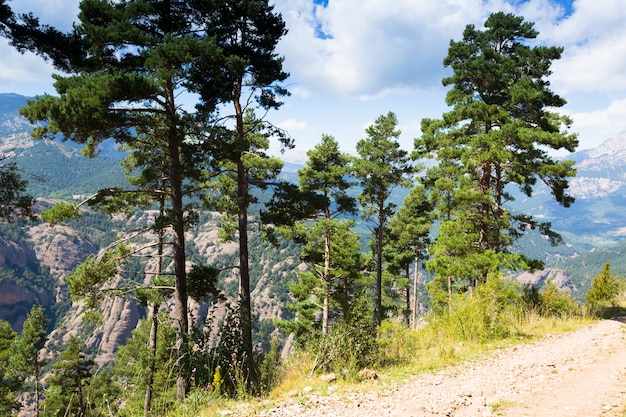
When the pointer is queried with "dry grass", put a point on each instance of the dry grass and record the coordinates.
(404, 352)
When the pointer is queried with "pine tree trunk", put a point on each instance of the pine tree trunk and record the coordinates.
(152, 347)
(326, 280)
(37, 387)
(407, 314)
(181, 321)
(244, 270)
(415, 283)
(379, 267)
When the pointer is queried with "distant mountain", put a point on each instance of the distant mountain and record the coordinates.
(54, 168)
(598, 216)
(597, 219)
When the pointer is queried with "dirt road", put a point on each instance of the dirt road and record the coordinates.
(577, 374)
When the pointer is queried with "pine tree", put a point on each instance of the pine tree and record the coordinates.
(73, 388)
(604, 289)
(380, 168)
(408, 240)
(498, 133)
(25, 356)
(249, 74)
(9, 384)
(324, 180)
(246, 168)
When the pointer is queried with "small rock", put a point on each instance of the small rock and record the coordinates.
(366, 373)
(328, 378)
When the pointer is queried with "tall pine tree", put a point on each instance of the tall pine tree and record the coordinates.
(499, 133)
(381, 167)
(26, 348)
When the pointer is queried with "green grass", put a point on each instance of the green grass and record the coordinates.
(404, 353)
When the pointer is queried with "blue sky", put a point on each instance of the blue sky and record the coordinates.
(352, 60)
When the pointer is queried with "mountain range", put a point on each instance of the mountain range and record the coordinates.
(593, 228)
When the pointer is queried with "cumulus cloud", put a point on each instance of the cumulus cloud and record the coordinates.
(594, 38)
(56, 13)
(596, 126)
(291, 125)
(369, 48)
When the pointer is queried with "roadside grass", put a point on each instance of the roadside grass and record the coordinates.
(403, 354)
(500, 406)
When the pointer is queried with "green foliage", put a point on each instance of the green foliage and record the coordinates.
(25, 358)
(485, 315)
(557, 303)
(347, 349)
(60, 212)
(406, 246)
(13, 199)
(132, 362)
(497, 135)
(202, 283)
(228, 355)
(604, 290)
(9, 385)
(87, 280)
(345, 286)
(74, 388)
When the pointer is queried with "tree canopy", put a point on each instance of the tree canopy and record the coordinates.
(502, 125)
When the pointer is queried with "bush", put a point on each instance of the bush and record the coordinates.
(557, 303)
(397, 344)
(347, 348)
(485, 315)
(604, 290)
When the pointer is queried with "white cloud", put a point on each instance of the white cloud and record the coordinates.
(26, 73)
(594, 37)
(371, 46)
(594, 127)
(56, 13)
(291, 125)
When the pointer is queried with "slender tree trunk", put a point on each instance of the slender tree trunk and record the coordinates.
(449, 292)
(152, 347)
(242, 226)
(407, 314)
(181, 321)
(379, 267)
(154, 315)
(244, 270)
(37, 386)
(325, 312)
(415, 284)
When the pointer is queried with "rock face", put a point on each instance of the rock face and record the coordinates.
(60, 249)
(602, 170)
(16, 301)
(560, 278)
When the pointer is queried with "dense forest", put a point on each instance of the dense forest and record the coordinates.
(349, 263)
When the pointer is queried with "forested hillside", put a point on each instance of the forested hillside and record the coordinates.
(192, 263)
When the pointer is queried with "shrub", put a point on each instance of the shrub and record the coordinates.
(557, 303)
(605, 288)
(347, 348)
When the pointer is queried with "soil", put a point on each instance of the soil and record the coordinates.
(576, 374)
